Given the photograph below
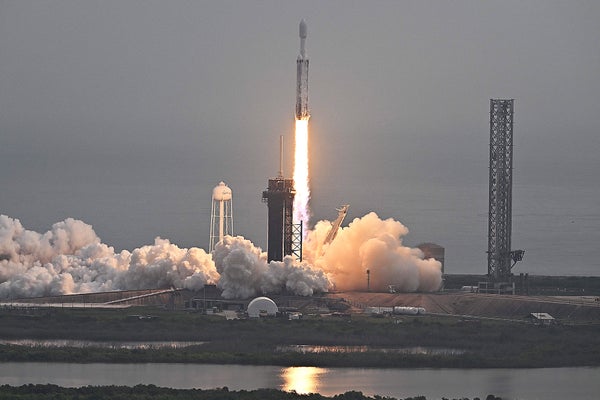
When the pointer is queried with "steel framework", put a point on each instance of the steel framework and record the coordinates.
(500, 257)
(297, 240)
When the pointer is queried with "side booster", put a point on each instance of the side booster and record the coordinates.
(302, 77)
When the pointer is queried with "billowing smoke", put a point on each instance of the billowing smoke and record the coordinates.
(369, 243)
(245, 272)
(70, 258)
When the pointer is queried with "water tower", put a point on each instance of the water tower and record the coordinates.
(221, 215)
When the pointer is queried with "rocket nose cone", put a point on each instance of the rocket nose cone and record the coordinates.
(303, 30)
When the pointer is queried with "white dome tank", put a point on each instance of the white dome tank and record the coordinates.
(262, 307)
(221, 192)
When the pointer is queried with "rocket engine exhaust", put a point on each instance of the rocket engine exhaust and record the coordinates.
(71, 258)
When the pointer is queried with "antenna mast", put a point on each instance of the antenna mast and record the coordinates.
(280, 157)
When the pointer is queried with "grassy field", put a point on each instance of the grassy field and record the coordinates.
(485, 343)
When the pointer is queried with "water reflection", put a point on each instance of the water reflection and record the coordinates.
(579, 383)
(302, 380)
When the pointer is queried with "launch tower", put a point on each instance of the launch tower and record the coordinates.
(279, 197)
(284, 237)
(501, 259)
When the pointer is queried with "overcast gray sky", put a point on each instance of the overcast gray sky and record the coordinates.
(126, 113)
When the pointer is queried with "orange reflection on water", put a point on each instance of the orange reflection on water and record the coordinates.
(302, 380)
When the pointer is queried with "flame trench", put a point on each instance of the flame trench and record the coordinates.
(301, 181)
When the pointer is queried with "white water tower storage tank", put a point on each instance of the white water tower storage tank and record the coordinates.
(221, 216)
(262, 307)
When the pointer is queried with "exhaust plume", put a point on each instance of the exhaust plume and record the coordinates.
(70, 258)
(245, 272)
(301, 177)
(369, 243)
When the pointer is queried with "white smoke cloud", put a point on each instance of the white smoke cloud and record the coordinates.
(245, 272)
(70, 258)
(369, 243)
(166, 265)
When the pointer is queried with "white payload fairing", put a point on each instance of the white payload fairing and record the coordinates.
(302, 77)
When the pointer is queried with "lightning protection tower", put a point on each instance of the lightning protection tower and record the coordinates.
(221, 216)
(500, 257)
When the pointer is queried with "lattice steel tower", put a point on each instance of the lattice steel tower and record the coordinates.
(500, 257)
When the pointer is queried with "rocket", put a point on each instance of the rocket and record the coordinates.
(302, 77)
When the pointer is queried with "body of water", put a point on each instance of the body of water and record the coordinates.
(524, 384)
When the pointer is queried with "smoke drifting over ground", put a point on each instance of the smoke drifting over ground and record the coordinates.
(70, 258)
(245, 272)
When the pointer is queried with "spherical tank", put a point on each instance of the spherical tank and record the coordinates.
(221, 192)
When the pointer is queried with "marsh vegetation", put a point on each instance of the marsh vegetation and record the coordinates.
(479, 343)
